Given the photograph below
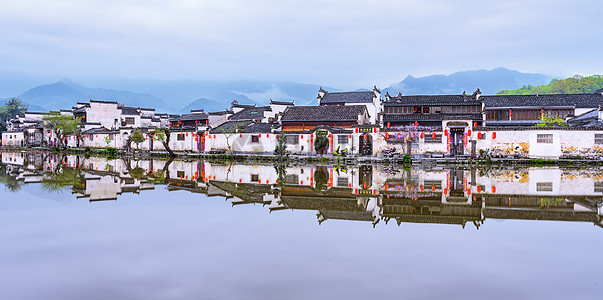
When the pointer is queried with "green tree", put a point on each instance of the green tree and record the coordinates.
(137, 137)
(573, 85)
(321, 142)
(62, 125)
(12, 107)
(550, 121)
(281, 145)
(163, 135)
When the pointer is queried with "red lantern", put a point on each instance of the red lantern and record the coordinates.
(350, 136)
(479, 135)
(260, 135)
(433, 187)
(494, 135)
(493, 190)
(302, 136)
(433, 135)
(469, 132)
(446, 132)
(214, 136)
(422, 134)
(386, 135)
(240, 135)
(416, 123)
(389, 125)
(386, 186)
(375, 130)
(187, 134)
(479, 188)
(330, 135)
(474, 124)
(356, 130)
(267, 135)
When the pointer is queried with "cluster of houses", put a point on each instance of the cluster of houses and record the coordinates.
(360, 193)
(360, 123)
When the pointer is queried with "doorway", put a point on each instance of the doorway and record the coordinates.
(365, 144)
(457, 141)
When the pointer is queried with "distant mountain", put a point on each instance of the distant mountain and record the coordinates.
(64, 94)
(204, 103)
(488, 81)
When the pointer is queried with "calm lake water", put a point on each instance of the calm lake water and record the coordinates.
(92, 228)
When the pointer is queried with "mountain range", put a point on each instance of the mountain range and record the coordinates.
(184, 95)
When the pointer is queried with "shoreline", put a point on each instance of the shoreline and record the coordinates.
(326, 159)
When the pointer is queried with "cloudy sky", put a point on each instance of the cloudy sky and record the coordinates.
(349, 44)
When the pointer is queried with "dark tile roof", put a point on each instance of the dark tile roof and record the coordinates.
(348, 97)
(103, 101)
(281, 102)
(190, 117)
(323, 113)
(99, 130)
(220, 113)
(130, 111)
(585, 116)
(435, 117)
(556, 100)
(250, 113)
(246, 126)
(431, 100)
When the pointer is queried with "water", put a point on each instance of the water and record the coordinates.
(77, 228)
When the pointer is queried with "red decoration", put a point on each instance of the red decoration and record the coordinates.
(493, 190)
(375, 130)
(446, 132)
(356, 130)
(433, 135)
(389, 124)
(416, 123)
(469, 132)
(187, 134)
(350, 136)
(330, 135)
(240, 135)
(494, 135)
(422, 134)
(479, 188)
(260, 135)
(474, 124)
(387, 135)
(267, 135)
(302, 136)
(479, 135)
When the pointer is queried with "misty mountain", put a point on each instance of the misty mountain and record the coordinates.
(206, 104)
(64, 94)
(488, 81)
(182, 93)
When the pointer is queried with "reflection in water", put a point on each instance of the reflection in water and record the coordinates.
(366, 193)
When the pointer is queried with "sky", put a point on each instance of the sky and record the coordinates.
(349, 44)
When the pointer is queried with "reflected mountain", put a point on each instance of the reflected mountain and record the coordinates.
(369, 193)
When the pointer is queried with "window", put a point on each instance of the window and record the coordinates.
(436, 110)
(129, 120)
(291, 179)
(342, 181)
(342, 139)
(429, 138)
(544, 186)
(181, 136)
(544, 138)
(433, 184)
(598, 139)
(180, 174)
(598, 187)
(292, 139)
(255, 177)
(255, 139)
(425, 109)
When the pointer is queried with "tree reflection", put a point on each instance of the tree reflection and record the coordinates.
(10, 183)
(61, 179)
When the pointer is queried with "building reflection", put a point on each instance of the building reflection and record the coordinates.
(355, 193)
